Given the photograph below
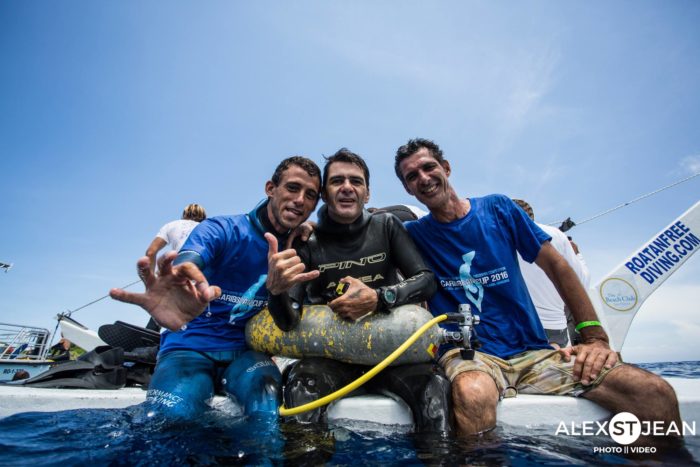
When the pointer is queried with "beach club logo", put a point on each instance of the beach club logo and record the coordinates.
(625, 429)
(619, 294)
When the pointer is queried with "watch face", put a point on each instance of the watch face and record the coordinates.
(389, 296)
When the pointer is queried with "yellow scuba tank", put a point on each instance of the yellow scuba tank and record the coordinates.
(321, 333)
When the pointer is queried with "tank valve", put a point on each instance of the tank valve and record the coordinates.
(466, 321)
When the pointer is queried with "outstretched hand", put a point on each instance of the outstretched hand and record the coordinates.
(284, 268)
(358, 301)
(591, 358)
(173, 298)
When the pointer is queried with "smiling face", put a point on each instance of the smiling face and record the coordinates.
(293, 200)
(346, 192)
(426, 178)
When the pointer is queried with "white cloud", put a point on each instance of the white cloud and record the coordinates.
(532, 79)
(690, 165)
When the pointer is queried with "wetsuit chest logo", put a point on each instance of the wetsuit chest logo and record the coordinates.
(372, 259)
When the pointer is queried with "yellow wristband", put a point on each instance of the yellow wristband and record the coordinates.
(585, 324)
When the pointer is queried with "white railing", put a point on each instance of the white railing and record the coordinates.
(25, 342)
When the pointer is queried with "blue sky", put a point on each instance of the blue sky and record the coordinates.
(115, 115)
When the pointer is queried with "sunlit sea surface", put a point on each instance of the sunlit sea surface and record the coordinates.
(130, 437)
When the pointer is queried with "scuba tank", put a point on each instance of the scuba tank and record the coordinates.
(321, 333)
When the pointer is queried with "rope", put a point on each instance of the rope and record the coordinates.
(627, 203)
(70, 312)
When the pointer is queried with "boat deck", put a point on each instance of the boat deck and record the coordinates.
(524, 410)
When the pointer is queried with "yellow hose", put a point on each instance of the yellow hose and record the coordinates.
(285, 412)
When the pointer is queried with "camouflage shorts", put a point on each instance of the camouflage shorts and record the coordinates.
(532, 372)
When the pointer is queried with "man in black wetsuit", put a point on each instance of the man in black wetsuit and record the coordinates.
(371, 253)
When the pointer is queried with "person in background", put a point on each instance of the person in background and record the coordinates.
(549, 305)
(570, 323)
(204, 352)
(20, 374)
(176, 232)
(471, 245)
(64, 350)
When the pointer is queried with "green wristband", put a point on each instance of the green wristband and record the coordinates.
(585, 324)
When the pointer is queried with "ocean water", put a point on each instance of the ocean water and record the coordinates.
(131, 437)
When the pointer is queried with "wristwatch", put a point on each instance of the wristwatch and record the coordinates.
(387, 299)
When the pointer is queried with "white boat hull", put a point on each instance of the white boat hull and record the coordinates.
(8, 368)
(524, 410)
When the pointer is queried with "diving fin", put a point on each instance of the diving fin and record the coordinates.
(104, 356)
(146, 355)
(128, 336)
(101, 368)
(60, 370)
(114, 378)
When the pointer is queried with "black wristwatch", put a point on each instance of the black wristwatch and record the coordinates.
(387, 299)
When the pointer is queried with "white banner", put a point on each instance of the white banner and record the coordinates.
(619, 295)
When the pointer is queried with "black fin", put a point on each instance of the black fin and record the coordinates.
(147, 355)
(104, 356)
(60, 370)
(90, 379)
(128, 336)
(101, 368)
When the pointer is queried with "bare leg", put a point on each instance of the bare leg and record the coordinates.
(475, 397)
(650, 398)
(631, 389)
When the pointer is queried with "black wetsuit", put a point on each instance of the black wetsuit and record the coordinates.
(377, 250)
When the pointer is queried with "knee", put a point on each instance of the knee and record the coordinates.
(301, 386)
(271, 388)
(265, 396)
(642, 385)
(658, 389)
(469, 390)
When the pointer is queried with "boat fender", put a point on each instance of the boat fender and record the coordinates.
(321, 333)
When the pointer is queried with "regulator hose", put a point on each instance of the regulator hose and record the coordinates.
(285, 412)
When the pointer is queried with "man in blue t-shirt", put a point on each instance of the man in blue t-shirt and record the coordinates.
(203, 350)
(472, 244)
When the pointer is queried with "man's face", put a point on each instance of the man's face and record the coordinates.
(293, 200)
(346, 192)
(426, 178)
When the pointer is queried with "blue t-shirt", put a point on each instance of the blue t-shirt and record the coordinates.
(234, 256)
(475, 262)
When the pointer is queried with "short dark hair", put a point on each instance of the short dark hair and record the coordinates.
(413, 146)
(345, 155)
(305, 163)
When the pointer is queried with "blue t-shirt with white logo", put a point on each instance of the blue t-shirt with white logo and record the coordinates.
(475, 262)
(234, 256)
